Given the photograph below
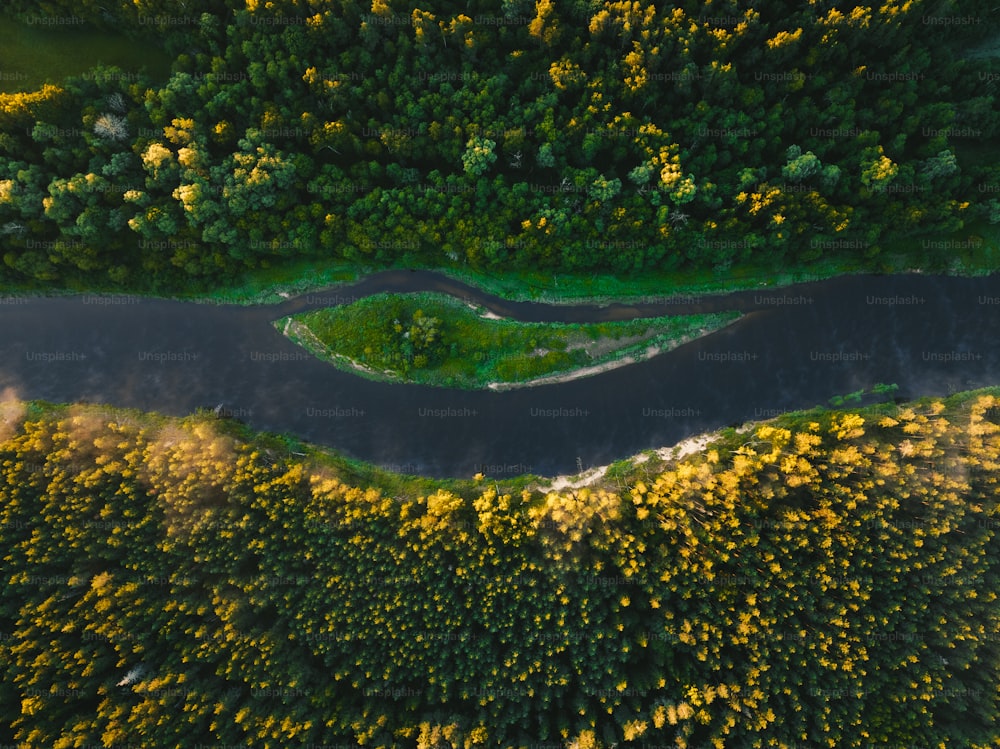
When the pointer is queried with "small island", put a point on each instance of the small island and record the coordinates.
(435, 339)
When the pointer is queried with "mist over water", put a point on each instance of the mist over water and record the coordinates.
(796, 347)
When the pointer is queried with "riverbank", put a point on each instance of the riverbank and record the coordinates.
(976, 252)
(647, 464)
(622, 359)
(970, 252)
(433, 339)
(401, 482)
(609, 476)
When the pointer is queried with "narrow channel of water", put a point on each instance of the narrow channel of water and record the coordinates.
(795, 348)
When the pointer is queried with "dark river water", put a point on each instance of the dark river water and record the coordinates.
(795, 348)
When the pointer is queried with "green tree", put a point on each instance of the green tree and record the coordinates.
(877, 169)
(479, 155)
(545, 157)
(800, 165)
(944, 164)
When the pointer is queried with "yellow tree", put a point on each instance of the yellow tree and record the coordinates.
(545, 25)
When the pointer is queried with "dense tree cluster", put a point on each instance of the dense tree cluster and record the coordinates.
(824, 580)
(614, 135)
(399, 335)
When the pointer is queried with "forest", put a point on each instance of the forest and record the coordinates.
(824, 579)
(827, 578)
(580, 137)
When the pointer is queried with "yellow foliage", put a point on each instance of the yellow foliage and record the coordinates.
(634, 729)
(565, 73)
(784, 38)
(544, 26)
(849, 426)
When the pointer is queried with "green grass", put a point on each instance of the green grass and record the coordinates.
(374, 337)
(270, 285)
(274, 281)
(981, 257)
(33, 54)
(972, 251)
(273, 284)
(578, 288)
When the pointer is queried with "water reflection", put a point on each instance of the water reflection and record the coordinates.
(795, 348)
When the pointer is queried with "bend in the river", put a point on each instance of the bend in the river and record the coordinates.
(796, 347)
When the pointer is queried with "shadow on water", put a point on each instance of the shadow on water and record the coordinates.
(795, 348)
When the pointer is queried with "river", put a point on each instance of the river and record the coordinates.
(795, 347)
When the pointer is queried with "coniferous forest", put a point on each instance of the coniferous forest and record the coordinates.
(827, 579)
(579, 136)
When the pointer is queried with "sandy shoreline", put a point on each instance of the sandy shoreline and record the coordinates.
(483, 312)
(303, 333)
(574, 375)
(591, 476)
(624, 361)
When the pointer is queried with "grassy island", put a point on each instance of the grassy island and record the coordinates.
(435, 339)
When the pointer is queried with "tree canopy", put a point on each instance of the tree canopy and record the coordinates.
(825, 579)
(379, 134)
